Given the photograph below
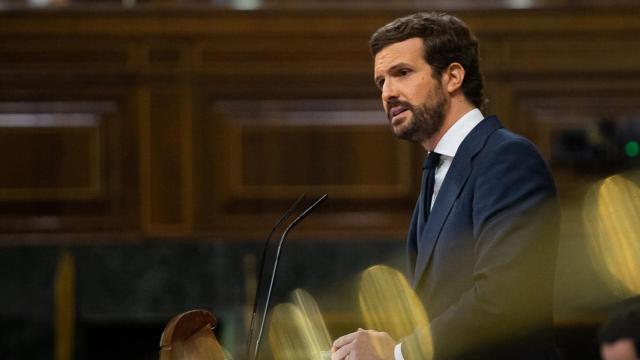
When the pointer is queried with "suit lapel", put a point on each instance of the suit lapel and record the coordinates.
(412, 241)
(453, 184)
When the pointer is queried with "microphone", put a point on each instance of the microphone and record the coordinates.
(295, 222)
(265, 248)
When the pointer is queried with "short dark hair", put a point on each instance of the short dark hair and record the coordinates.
(624, 323)
(446, 40)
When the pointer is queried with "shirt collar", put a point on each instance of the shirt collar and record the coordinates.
(451, 140)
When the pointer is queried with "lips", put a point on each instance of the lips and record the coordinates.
(396, 110)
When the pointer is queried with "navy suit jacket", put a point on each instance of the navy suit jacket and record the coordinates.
(484, 264)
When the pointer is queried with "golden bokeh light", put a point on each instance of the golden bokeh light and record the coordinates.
(311, 312)
(612, 218)
(297, 330)
(388, 303)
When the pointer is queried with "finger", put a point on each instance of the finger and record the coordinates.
(342, 353)
(344, 340)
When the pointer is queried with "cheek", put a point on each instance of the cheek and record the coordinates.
(419, 91)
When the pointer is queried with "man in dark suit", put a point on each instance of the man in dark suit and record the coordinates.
(483, 238)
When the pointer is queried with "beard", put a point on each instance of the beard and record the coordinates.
(426, 119)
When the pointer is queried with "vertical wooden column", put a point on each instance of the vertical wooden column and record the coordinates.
(64, 307)
(165, 150)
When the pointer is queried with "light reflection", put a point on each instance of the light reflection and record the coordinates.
(297, 330)
(611, 212)
(389, 304)
(317, 327)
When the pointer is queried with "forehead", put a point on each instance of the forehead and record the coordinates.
(409, 51)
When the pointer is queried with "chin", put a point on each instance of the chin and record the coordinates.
(402, 126)
(400, 131)
(406, 134)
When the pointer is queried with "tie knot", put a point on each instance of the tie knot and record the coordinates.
(431, 161)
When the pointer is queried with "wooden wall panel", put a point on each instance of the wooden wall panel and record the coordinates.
(299, 54)
(52, 157)
(581, 53)
(348, 161)
(166, 152)
(55, 55)
(264, 154)
(548, 116)
(281, 151)
(63, 165)
(220, 118)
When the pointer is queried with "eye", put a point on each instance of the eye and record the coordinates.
(380, 83)
(404, 72)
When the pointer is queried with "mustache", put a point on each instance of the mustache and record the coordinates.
(395, 102)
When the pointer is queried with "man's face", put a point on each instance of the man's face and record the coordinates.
(622, 349)
(413, 100)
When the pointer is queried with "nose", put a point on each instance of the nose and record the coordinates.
(388, 91)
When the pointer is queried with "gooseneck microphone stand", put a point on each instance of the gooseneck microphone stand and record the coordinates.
(253, 355)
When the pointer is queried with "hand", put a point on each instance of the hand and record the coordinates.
(364, 345)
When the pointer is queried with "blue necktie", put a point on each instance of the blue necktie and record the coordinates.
(428, 181)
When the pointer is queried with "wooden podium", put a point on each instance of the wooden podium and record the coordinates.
(189, 336)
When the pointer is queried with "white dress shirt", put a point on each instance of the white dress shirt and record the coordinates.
(447, 148)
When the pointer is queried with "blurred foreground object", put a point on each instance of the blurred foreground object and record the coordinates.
(189, 336)
(297, 330)
(620, 335)
(388, 303)
(611, 212)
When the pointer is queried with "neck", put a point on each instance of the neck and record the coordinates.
(455, 110)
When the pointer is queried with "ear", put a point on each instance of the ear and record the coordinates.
(453, 77)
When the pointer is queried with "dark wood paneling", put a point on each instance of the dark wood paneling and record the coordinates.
(348, 159)
(54, 55)
(263, 154)
(166, 154)
(280, 149)
(220, 118)
(63, 166)
(51, 157)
